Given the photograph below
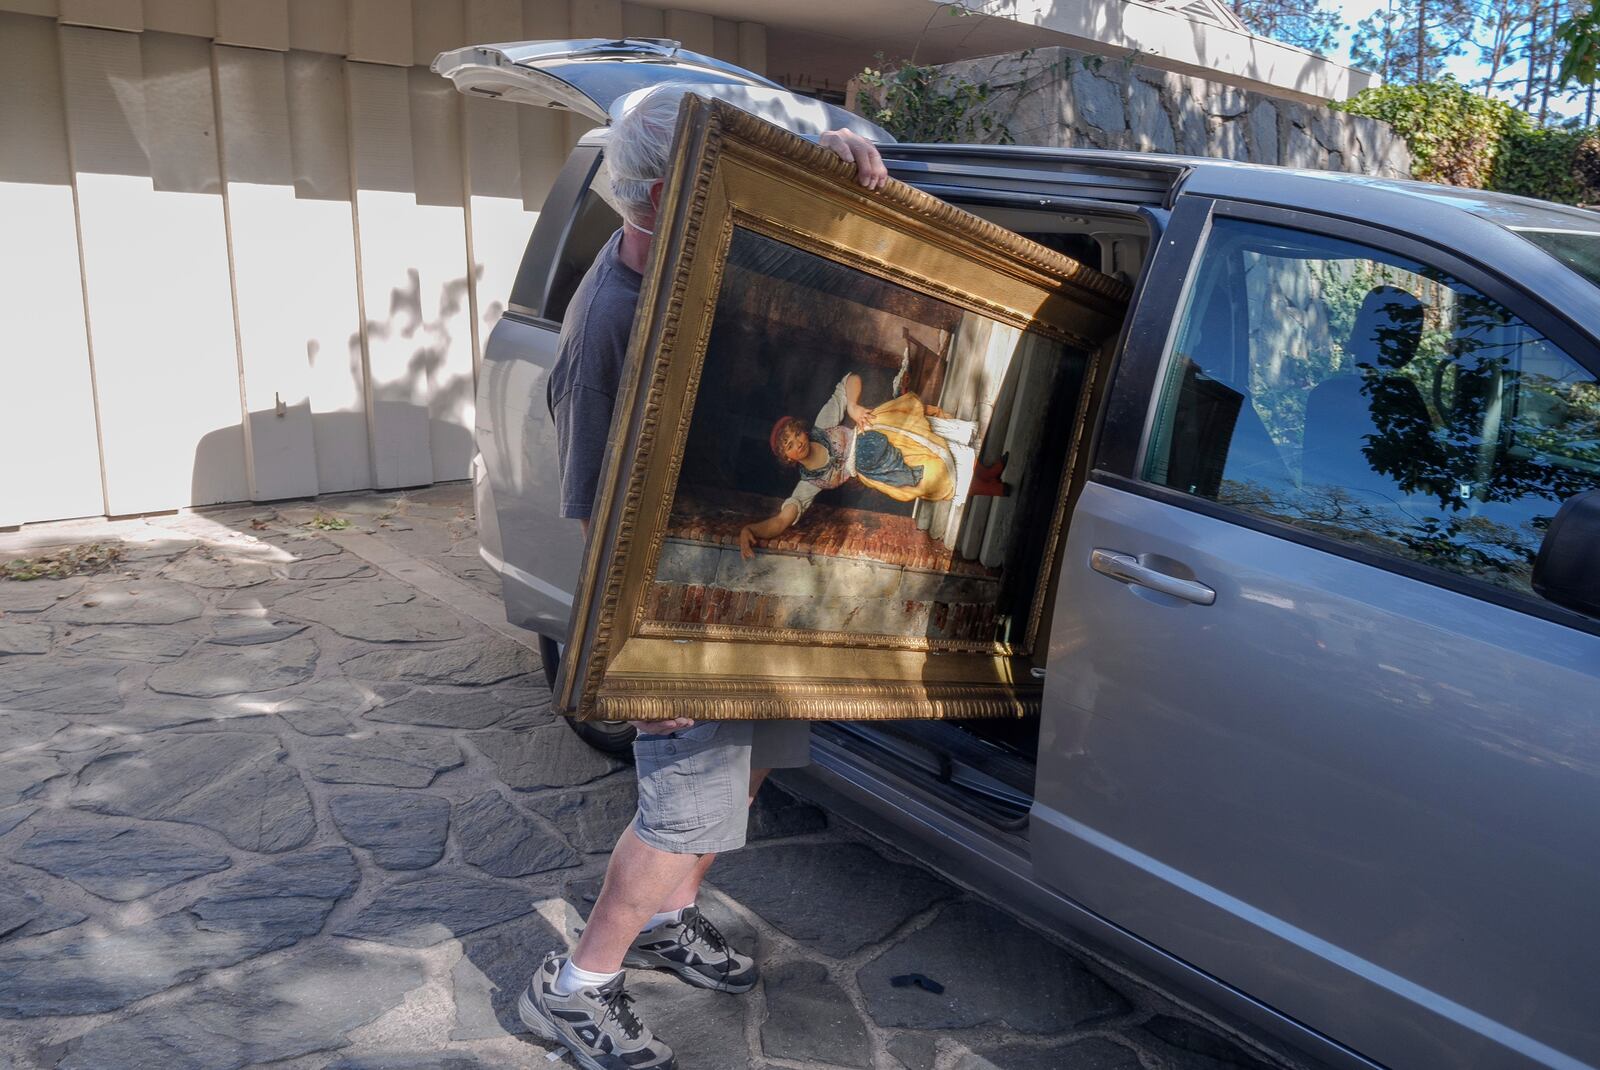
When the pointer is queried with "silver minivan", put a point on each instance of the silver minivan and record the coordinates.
(1321, 731)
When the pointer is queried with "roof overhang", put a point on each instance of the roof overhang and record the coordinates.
(831, 40)
(1192, 37)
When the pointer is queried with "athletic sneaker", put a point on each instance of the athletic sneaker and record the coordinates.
(693, 949)
(596, 1025)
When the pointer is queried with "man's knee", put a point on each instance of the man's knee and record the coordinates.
(694, 788)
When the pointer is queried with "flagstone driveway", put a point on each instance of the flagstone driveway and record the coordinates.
(264, 802)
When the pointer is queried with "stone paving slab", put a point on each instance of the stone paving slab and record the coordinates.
(277, 797)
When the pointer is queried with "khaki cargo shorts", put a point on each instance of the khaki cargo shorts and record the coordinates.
(694, 784)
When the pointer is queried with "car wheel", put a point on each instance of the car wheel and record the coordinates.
(612, 737)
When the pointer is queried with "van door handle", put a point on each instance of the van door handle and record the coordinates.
(1126, 567)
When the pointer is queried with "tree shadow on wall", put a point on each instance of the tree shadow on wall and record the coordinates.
(412, 427)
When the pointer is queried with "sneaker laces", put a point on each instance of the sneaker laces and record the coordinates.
(700, 928)
(619, 1005)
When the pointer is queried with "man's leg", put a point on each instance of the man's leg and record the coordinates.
(686, 891)
(637, 878)
(692, 803)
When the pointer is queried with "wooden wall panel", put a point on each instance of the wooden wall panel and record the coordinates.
(406, 152)
(641, 21)
(320, 26)
(290, 261)
(49, 444)
(47, 8)
(439, 162)
(126, 15)
(196, 17)
(380, 31)
(753, 47)
(726, 35)
(544, 137)
(499, 222)
(436, 26)
(489, 21)
(330, 316)
(390, 275)
(140, 123)
(592, 18)
(253, 23)
(693, 29)
(444, 339)
(585, 18)
(294, 276)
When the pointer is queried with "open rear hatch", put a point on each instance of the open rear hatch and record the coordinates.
(601, 78)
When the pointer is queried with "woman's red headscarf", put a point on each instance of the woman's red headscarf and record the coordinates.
(775, 440)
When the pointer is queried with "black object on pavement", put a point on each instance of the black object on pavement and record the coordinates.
(922, 981)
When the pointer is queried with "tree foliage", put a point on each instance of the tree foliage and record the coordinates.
(1454, 134)
(1580, 37)
(1542, 162)
(1461, 138)
(1408, 41)
(1306, 24)
(917, 103)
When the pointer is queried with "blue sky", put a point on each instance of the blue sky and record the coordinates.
(1465, 67)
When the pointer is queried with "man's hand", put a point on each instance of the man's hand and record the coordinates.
(661, 728)
(851, 147)
(861, 416)
(747, 542)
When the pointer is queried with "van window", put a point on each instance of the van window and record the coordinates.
(1365, 397)
(592, 226)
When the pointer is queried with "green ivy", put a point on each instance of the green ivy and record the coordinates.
(1454, 134)
(916, 103)
(1543, 162)
(1461, 138)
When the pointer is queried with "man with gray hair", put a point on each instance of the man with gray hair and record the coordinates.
(696, 781)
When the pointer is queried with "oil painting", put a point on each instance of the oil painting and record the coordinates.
(849, 428)
(883, 471)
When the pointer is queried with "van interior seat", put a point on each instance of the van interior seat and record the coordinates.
(1363, 425)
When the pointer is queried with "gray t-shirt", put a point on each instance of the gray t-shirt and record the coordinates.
(583, 383)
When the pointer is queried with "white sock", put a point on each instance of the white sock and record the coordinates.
(571, 978)
(662, 918)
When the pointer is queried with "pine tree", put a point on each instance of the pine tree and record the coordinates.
(1503, 23)
(1408, 41)
(1304, 23)
(1377, 46)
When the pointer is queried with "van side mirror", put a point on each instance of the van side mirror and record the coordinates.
(1567, 570)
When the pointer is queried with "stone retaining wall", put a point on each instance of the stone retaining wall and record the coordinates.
(1059, 97)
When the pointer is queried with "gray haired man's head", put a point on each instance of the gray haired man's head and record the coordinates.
(637, 151)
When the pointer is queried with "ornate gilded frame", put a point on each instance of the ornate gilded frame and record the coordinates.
(731, 168)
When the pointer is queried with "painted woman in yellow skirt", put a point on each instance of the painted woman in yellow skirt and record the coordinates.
(904, 448)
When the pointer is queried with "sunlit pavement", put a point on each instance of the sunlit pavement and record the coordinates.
(282, 788)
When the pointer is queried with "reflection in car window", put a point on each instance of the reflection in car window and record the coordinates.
(1369, 398)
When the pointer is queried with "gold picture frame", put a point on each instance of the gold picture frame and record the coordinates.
(739, 186)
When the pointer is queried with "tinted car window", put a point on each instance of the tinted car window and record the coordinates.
(592, 227)
(1578, 249)
(1372, 399)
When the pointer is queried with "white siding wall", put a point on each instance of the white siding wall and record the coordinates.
(254, 248)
